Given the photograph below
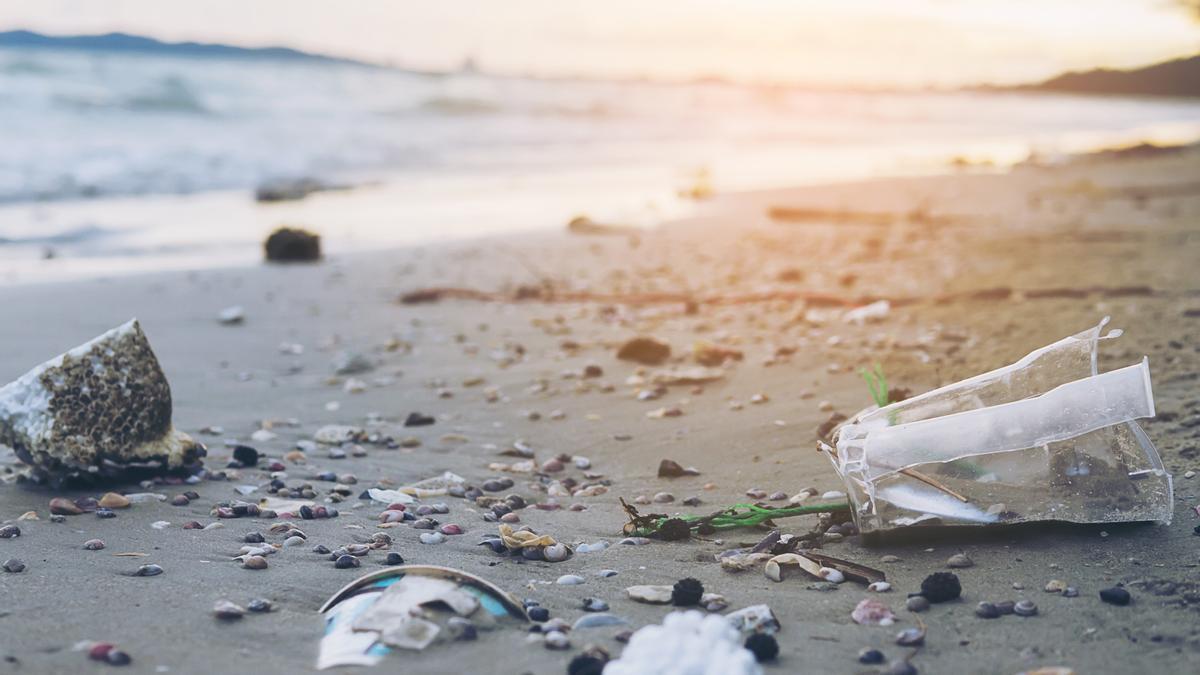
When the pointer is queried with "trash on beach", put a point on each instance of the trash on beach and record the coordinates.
(408, 607)
(1048, 438)
(754, 619)
(685, 642)
(680, 527)
(98, 412)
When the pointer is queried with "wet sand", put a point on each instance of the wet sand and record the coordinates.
(1107, 238)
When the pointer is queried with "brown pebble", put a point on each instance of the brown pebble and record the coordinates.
(112, 500)
(64, 507)
(255, 562)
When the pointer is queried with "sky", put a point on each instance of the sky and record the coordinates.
(883, 43)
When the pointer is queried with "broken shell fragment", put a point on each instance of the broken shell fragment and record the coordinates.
(99, 411)
(873, 613)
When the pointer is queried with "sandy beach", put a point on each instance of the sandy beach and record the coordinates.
(982, 268)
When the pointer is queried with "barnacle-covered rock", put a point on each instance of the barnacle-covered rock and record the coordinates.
(100, 411)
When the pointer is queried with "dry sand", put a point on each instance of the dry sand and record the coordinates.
(1103, 225)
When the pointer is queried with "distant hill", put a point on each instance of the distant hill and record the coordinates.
(136, 44)
(1180, 77)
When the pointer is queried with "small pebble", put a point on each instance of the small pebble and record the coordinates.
(148, 571)
(917, 603)
(664, 498)
(13, 565)
(9, 531)
(910, 637)
(259, 605)
(228, 611)
(538, 614)
(899, 667)
(1070, 592)
(432, 538)
(450, 528)
(569, 580)
(394, 558)
(93, 544)
(346, 562)
(594, 605)
(255, 562)
(879, 587)
(1025, 608)
(959, 561)
(1115, 596)
(557, 640)
(870, 656)
(606, 573)
(1055, 586)
(986, 610)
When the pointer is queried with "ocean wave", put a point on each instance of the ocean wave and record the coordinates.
(77, 235)
(169, 95)
(457, 105)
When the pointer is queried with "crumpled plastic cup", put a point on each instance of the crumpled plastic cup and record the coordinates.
(1048, 438)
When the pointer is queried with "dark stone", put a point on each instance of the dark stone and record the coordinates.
(394, 558)
(293, 245)
(1116, 596)
(417, 419)
(13, 565)
(539, 614)
(259, 605)
(674, 529)
(116, 657)
(9, 531)
(763, 646)
(986, 610)
(245, 455)
(253, 538)
(645, 350)
(687, 592)
(346, 562)
(586, 664)
(941, 587)
(870, 656)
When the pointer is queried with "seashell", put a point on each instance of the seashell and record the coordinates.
(557, 640)
(606, 573)
(634, 541)
(93, 544)
(872, 613)
(432, 538)
(450, 528)
(652, 595)
(714, 602)
(879, 587)
(556, 553)
(569, 580)
(1025, 608)
(594, 605)
(128, 423)
(148, 571)
(598, 621)
(591, 548)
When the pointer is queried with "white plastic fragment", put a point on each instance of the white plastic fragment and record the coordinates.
(686, 643)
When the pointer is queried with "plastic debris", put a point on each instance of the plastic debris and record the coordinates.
(121, 428)
(686, 643)
(754, 619)
(1046, 438)
(407, 607)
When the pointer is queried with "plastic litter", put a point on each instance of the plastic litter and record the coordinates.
(1046, 438)
(686, 643)
(407, 607)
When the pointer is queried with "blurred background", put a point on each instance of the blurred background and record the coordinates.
(145, 135)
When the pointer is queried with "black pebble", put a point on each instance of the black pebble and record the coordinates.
(254, 538)
(245, 455)
(539, 614)
(870, 656)
(346, 562)
(394, 558)
(321, 549)
(1115, 596)
(418, 420)
(941, 587)
(116, 657)
(687, 592)
(674, 529)
(586, 664)
(764, 647)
